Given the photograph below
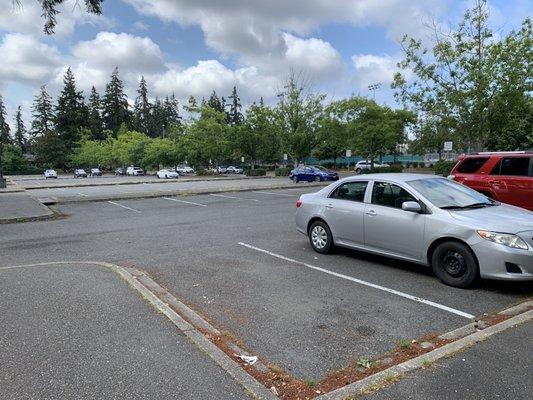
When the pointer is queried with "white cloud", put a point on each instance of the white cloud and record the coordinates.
(26, 18)
(370, 69)
(26, 60)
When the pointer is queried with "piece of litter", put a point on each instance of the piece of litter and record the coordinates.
(274, 390)
(250, 360)
(195, 285)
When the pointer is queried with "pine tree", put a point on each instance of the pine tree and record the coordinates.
(142, 109)
(215, 103)
(172, 110)
(157, 120)
(95, 115)
(43, 115)
(235, 114)
(115, 104)
(4, 126)
(20, 130)
(71, 112)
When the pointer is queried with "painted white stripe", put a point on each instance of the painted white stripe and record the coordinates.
(361, 282)
(120, 205)
(274, 194)
(186, 202)
(84, 195)
(234, 198)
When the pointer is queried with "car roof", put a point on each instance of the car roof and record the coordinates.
(398, 177)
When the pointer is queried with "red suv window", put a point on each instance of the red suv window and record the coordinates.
(514, 166)
(471, 165)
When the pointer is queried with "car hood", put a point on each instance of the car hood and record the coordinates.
(502, 218)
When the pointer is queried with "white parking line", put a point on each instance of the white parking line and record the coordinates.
(234, 198)
(186, 202)
(84, 195)
(274, 194)
(120, 205)
(361, 282)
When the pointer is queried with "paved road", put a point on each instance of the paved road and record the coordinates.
(80, 332)
(500, 368)
(157, 189)
(304, 320)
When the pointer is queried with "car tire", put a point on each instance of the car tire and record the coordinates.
(320, 237)
(455, 264)
(296, 180)
(358, 171)
(317, 179)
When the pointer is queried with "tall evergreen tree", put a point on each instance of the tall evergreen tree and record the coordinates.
(215, 103)
(4, 126)
(71, 113)
(172, 110)
(94, 122)
(20, 130)
(157, 120)
(115, 104)
(43, 115)
(142, 109)
(235, 115)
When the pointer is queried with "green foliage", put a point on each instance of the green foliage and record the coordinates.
(256, 172)
(471, 87)
(161, 152)
(444, 167)
(364, 362)
(115, 109)
(93, 153)
(405, 344)
(50, 10)
(283, 171)
(4, 126)
(43, 115)
(50, 150)
(130, 148)
(13, 160)
(20, 131)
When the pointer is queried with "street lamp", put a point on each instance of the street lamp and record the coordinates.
(373, 87)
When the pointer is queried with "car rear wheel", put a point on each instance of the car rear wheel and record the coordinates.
(454, 264)
(320, 237)
(358, 171)
(317, 179)
(296, 180)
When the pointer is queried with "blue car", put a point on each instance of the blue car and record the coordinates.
(312, 174)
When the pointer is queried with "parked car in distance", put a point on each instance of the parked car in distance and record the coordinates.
(95, 172)
(184, 169)
(362, 165)
(502, 176)
(80, 173)
(221, 170)
(424, 219)
(134, 171)
(234, 170)
(120, 172)
(167, 174)
(312, 173)
(50, 173)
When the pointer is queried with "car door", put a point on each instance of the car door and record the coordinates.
(511, 182)
(388, 228)
(344, 212)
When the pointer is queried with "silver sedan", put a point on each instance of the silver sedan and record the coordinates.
(424, 219)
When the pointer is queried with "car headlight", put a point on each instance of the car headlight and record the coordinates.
(507, 239)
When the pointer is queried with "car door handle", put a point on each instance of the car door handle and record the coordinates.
(329, 205)
(372, 213)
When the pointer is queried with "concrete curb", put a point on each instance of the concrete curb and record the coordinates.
(179, 193)
(250, 384)
(397, 371)
(223, 178)
(47, 215)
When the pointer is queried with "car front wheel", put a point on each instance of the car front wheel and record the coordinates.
(454, 264)
(320, 237)
(317, 179)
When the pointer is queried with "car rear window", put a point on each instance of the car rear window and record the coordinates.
(515, 166)
(471, 165)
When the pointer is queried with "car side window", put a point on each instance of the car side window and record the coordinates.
(352, 191)
(513, 166)
(390, 195)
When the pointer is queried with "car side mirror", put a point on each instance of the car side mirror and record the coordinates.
(412, 206)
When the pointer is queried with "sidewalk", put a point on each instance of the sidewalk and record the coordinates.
(19, 205)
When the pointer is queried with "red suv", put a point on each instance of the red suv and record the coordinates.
(503, 176)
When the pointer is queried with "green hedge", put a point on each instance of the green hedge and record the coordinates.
(27, 171)
(283, 171)
(205, 172)
(392, 168)
(444, 167)
(256, 172)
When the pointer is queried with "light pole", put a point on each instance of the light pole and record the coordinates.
(373, 87)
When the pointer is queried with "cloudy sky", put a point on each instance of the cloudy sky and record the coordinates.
(192, 47)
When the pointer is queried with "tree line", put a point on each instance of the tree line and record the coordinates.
(471, 88)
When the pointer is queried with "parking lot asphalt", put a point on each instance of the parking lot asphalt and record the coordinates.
(79, 332)
(499, 368)
(305, 320)
(153, 189)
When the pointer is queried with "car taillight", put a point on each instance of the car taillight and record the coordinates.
(299, 203)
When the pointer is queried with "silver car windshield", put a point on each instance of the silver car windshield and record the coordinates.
(447, 194)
